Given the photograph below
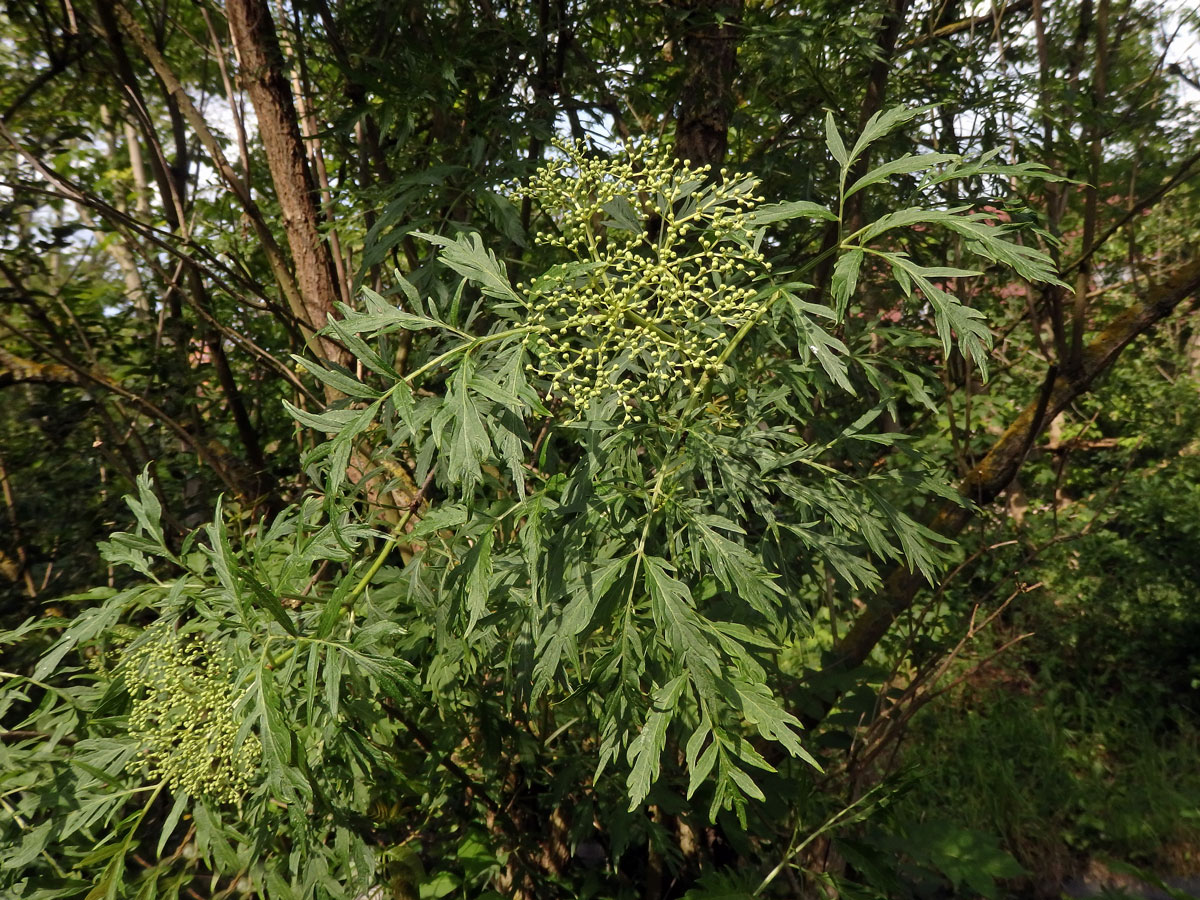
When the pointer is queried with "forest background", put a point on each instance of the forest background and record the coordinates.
(883, 586)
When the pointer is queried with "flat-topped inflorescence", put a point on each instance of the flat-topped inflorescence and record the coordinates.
(183, 714)
(664, 257)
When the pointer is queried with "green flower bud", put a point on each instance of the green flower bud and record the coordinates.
(183, 715)
(649, 304)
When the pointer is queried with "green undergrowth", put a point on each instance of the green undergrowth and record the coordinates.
(1060, 777)
(1080, 745)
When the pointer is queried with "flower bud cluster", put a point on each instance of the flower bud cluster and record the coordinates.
(665, 257)
(183, 715)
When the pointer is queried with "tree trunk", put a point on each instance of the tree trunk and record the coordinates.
(257, 44)
(706, 99)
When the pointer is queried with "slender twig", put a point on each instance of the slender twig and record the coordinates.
(390, 542)
(1136, 209)
(142, 403)
(24, 735)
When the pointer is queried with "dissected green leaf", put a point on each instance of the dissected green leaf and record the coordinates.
(833, 140)
(645, 752)
(467, 256)
(902, 166)
(795, 209)
(845, 279)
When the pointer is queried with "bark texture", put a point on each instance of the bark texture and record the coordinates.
(706, 101)
(253, 32)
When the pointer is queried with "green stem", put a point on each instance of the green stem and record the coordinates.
(398, 529)
(377, 564)
(380, 558)
(704, 388)
(829, 823)
(463, 348)
(641, 321)
(142, 815)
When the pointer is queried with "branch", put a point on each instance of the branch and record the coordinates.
(168, 241)
(211, 455)
(75, 51)
(1137, 209)
(256, 43)
(996, 470)
(992, 18)
(18, 370)
(186, 251)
